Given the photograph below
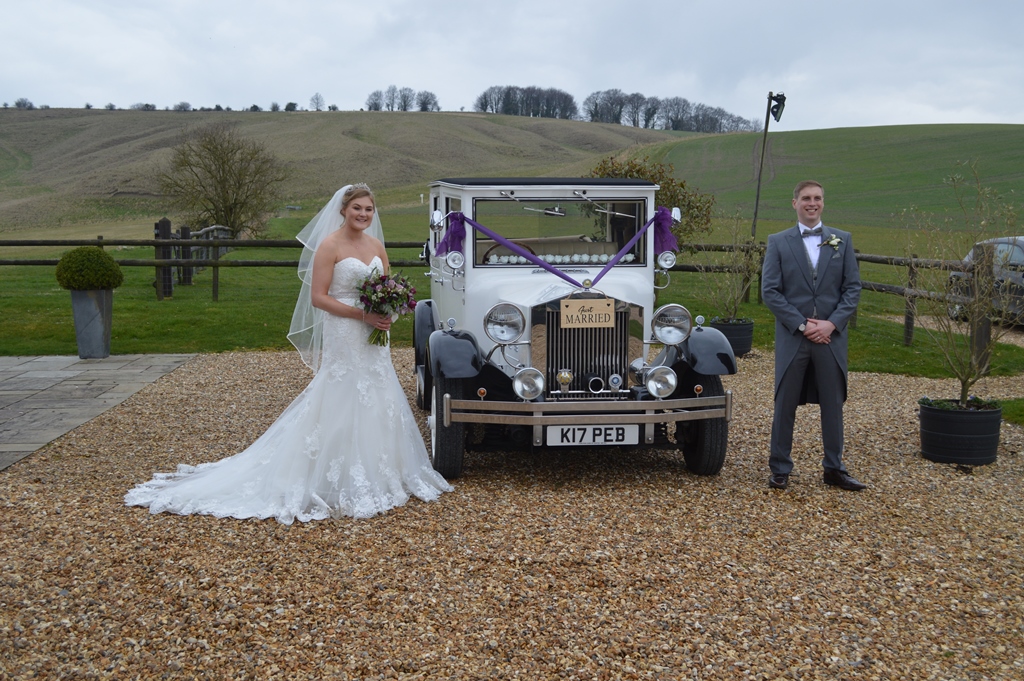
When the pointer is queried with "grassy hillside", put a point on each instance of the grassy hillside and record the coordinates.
(75, 170)
(869, 174)
(67, 166)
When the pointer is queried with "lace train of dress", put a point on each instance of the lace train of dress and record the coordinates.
(348, 445)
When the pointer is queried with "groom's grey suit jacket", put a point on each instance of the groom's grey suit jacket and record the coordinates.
(794, 292)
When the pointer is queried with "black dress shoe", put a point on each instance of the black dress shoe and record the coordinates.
(778, 481)
(843, 480)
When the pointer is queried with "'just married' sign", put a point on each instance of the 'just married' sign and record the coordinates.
(589, 313)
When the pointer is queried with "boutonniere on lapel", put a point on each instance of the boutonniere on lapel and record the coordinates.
(832, 241)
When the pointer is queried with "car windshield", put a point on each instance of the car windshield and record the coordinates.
(560, 232)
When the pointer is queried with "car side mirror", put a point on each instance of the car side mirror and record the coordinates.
(436, 221)
(677, 215)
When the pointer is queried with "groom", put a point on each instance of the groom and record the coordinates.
(811, 283)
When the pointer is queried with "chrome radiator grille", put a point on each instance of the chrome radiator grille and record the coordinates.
(600, 351)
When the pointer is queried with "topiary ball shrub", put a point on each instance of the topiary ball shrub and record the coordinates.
(88, 268)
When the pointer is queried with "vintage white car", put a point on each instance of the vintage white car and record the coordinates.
(542, 327)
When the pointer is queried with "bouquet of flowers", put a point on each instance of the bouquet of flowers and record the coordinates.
(387, 295)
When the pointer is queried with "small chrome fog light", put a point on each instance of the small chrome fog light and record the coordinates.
(528, 383)
(615, 382)
(672, 324)
(504, 323)
(661, 382)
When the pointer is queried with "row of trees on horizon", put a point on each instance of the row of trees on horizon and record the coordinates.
(604, 106)
(613, 106)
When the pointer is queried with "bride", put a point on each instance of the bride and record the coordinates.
(348, 445)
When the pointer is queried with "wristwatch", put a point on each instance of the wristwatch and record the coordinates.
(802, 327)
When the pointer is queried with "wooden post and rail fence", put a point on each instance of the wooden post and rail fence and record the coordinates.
(205, 249)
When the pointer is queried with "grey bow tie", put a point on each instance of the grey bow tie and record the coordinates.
(811, 232)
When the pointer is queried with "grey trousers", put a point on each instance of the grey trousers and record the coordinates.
(829, 381)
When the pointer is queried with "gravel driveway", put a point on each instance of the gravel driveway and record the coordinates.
(575, 564)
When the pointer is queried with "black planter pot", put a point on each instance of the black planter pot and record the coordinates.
(963, 436)
(92, 312)
(739, 334)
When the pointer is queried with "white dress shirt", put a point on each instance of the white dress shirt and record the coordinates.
(812, 244)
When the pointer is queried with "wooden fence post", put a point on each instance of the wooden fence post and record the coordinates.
(911, 310)
(164, 283)
(981, 323)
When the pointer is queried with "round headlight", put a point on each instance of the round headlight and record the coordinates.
(672, 324)
(504, 323)
(667, 260)
(661, 382)
(455, 260)
(528, 383)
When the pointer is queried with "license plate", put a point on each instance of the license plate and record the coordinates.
(593, 435)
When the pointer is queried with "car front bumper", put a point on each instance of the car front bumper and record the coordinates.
(539, 415)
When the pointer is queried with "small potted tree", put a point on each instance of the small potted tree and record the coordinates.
(91, 275)
(731, 287)
(968, 312)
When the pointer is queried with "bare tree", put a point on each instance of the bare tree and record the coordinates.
(634, 108)
(375, 102)
(182, 106)
(110, 106)
(427, 101)
(651, 108)
(406, 99)
(23, 103)
(489, 100)
(675, 113)
(274, 106)
(142, 106)
(218, 177)
(605, 106)
(316, 102)
(391, 97)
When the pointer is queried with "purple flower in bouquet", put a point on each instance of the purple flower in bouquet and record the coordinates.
(386, 295)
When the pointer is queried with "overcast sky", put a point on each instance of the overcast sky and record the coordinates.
(840, 63)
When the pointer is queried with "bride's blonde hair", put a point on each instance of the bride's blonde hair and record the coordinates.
(356, 191)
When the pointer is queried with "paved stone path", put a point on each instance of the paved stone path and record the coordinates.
(41, 398)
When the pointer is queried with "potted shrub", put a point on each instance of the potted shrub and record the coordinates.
(91, 275)
(967, 313)
(730, 287)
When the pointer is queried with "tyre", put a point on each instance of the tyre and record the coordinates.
(704, 442)
(421, 330)
(447, 443)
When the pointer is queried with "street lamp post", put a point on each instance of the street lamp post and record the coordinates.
(776, 103)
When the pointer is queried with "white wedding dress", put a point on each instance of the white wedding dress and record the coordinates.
(348, 445)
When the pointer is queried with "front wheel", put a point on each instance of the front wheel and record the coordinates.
(447, 443)
(704, 442)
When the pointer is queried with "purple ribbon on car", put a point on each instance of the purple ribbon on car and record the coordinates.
(664, 240)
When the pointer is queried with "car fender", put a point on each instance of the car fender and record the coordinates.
(422, 326)
(454, 354)
(707, 351)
